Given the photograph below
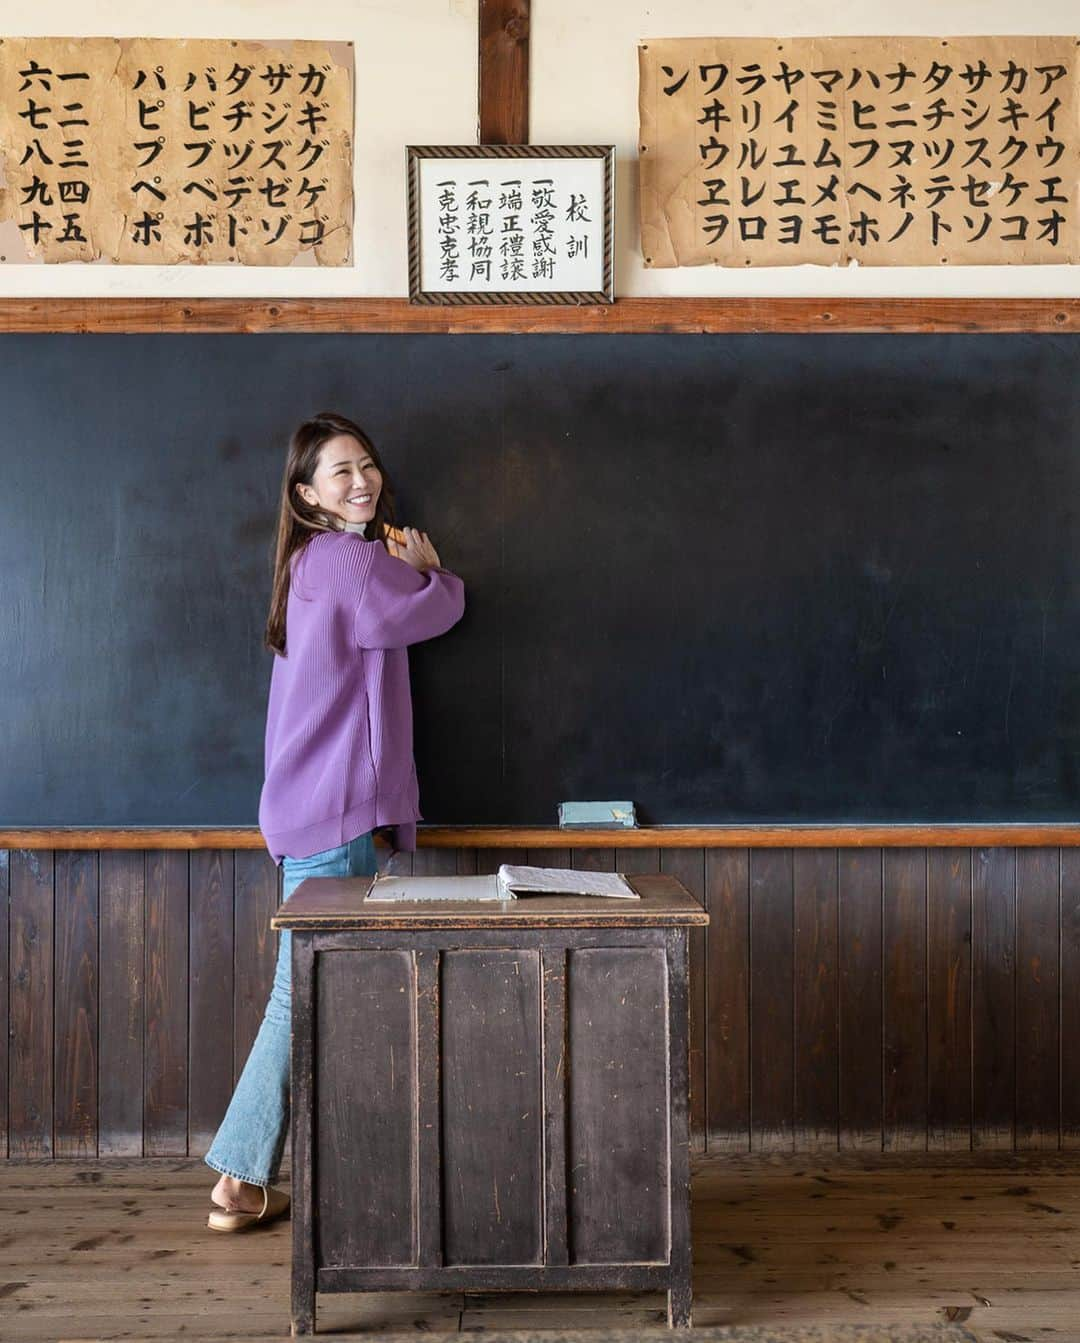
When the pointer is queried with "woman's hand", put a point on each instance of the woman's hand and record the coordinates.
(417, 550)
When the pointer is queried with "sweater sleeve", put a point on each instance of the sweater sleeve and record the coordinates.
(398, 606)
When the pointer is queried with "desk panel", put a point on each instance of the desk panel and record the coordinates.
(492, 1107)
(365, 1108)
(617, 1101)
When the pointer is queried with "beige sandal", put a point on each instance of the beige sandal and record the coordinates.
(275, 1202)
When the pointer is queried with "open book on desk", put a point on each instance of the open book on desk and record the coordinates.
(509, 883)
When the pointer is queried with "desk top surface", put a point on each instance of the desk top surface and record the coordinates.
(338, 904)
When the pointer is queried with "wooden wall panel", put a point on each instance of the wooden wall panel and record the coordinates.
(772, 1007)
(31, 1005)
(859, 1022)
(210, 1017)
(641, 861)
(5, 994)
(688, 865)
(550, 858)
(490, 860)
(165, 1066)
(949, 1003)
(840, 998)
(435, 863)
(993, 997)
(1038, 885)
(257, 895)
(1070, 998)
(585, 860)
(727, 988)
(75, 997)
(903, 1000)
(815, 892)
(121, 1004)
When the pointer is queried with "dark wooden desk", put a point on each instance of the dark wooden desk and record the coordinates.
(489, 1094)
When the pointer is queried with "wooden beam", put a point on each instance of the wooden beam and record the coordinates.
(504, 72)
(826, 836)
(693, 316)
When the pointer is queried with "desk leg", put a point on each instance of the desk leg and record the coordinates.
(680, 1291)
(303, 1308)
(301, 1086)
(680, 1300)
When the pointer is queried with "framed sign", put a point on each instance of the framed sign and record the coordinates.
(511, 223)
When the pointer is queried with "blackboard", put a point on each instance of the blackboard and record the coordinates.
(735, 578)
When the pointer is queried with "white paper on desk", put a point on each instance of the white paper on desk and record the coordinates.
(435, 888)
(519, 881)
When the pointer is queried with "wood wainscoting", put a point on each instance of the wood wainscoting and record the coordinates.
(875, 998)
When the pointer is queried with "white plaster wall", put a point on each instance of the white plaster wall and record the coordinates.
(416, 82)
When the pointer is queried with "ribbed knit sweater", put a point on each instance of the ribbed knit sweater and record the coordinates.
(339, 744)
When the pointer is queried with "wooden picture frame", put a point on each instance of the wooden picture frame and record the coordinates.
(592, 276)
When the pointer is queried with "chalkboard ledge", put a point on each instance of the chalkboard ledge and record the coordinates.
(825, 836)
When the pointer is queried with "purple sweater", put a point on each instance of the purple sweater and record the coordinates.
(339, 746)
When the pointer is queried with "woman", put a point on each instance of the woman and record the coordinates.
(347, 601)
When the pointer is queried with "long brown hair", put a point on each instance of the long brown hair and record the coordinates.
(299, 521)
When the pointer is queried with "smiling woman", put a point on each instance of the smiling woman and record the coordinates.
(339, 745)
(339, 724)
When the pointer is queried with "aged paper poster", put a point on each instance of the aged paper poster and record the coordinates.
(160, 151)
(888, 151)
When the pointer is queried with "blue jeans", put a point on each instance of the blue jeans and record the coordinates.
(251, 1139)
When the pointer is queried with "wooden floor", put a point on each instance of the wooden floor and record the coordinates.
(120, 1249)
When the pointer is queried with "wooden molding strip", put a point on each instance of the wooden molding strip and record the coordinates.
(1063, 835)
(1007, 835)
(684, 315)
(504, 72)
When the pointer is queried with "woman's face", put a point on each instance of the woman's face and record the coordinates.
(346, 483)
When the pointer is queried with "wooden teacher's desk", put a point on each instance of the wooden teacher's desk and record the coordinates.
(489, 1094)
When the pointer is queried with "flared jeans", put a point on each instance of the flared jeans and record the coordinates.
(251, 1139)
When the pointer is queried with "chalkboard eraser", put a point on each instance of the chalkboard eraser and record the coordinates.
(596, 815)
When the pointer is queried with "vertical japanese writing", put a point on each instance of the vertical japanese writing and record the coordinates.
(272, 178)
(200, 100)
(478, 229)
(149, 194)
(577, 214)
(448, 223)
(51, 105)
(543, 234)
(310, 123)
(235, 166)
(512, 231)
